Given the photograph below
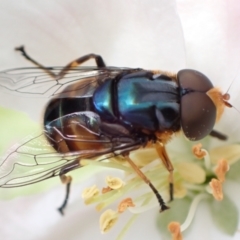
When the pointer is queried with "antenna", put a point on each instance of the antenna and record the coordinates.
(232, 82)
(226, 96)
(236, 109)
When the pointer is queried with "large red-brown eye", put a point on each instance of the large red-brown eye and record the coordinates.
(198, 115)
(198, 112)
(194, 80)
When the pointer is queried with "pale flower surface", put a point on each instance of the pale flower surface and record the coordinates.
(164, 34)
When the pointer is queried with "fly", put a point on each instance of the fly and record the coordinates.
(108, 111)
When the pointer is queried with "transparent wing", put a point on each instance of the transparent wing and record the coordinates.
(35, 82)
(35, 159)
(75, 136)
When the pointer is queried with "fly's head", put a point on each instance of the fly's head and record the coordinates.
(201, 104)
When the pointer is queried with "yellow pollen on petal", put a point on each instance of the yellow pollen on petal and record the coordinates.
(83, 162)
(114, 182)
(144, 156)
(90, 192)
(108, 220)
(198, 152)
(124, 204)
(179, 190)
(175, 230)
(230, 152)
(191, 172)
(221, 169)
(216, 187)
(106, 189)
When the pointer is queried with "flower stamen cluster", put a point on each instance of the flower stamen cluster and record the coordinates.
(197, 180)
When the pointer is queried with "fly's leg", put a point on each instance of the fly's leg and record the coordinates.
(218, 135)
(45, 69)
(98, 59)
(163, 206)
(162, 153)
(67, 180)
(63, 143)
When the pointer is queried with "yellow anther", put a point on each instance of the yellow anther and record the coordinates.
(108, 220)
(90, 192)
(114, 182)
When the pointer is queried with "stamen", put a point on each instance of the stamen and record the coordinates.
(124, 204)
(90, 192)
(107, 220)
(131, 220)
(221, 170)
(106, 189)
(180, 190)
(114, 182)
(127, 227)
(192, 210)
(216, 187)
(198, 151)
(174, 228)
(191, 172)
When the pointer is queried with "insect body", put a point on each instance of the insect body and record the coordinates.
(112, 111)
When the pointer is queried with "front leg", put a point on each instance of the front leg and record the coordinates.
(163, 206)
(162, 153)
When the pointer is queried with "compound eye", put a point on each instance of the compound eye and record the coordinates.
(194, 80)
(198, 112)
(198, 115)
